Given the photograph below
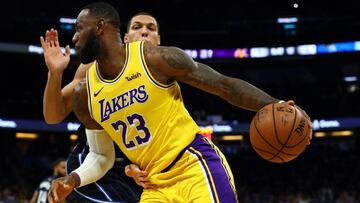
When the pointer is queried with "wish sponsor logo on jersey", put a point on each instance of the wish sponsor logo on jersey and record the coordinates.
(133, 76)
(108, 107)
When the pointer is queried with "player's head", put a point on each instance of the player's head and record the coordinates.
(143, 26)
(94, 22)
(59, 167)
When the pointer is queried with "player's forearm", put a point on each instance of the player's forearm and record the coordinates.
(236, 91)
(98, 161)
(94, 167)
(53, 103)
(242, 94)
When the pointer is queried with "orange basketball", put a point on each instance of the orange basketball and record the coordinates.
(279, 132)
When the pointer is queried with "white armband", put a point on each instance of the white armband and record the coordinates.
(100, 159)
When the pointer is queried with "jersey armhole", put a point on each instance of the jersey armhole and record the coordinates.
(147, 71)
(88, 88)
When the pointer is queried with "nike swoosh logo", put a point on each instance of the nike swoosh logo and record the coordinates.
(96, 93)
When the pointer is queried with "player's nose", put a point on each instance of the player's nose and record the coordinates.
(75, 38)
(144, 31)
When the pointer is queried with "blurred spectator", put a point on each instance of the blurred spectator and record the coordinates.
(345, 197)
(40, 194)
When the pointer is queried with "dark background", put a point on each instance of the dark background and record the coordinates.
(314, 82)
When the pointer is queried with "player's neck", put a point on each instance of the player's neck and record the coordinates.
(111, 59)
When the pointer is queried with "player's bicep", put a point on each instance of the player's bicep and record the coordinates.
(80, 106)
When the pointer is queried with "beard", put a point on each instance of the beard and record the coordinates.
(90, 50)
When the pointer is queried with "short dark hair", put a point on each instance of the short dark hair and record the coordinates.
(145, 14)
(104, 10)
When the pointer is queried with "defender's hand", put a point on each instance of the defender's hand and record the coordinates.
(139, 176)
(55, 60)
(61, 188)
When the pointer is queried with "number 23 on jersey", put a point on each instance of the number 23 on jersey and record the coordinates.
(133, 121)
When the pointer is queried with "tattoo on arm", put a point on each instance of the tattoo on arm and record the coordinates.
(172, 56)
(80, 106)
(236, 91)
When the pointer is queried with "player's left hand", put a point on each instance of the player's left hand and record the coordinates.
(139, 176)
(60, 189)
(55, 59)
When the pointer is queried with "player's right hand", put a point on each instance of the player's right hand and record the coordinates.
(55, 60)
(309, 123)
(139, 176)
(60, 189)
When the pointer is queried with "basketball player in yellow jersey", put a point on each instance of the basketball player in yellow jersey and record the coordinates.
(131, 96)
(58, 104)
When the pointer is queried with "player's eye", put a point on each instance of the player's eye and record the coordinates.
(136, 27)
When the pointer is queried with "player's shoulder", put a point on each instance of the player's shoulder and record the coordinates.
(150, 48)
(81, 70)
(85, 67)
(155, 54)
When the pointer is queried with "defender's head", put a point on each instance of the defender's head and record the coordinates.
(143, 26)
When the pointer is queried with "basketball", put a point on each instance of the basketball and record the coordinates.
(279, 132)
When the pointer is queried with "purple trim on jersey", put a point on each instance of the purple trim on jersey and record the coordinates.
(220, 175)
(89, 93)
(207, 172)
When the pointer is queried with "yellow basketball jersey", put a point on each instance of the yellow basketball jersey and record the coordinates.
(146, 119)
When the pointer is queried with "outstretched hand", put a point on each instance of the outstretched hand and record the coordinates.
(139, 176)
(55, 60)
(309, 124)
(60, 189)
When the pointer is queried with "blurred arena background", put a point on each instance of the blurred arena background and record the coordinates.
(308, 51)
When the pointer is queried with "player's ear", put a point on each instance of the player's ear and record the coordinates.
(100, 26)
(126, 38)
